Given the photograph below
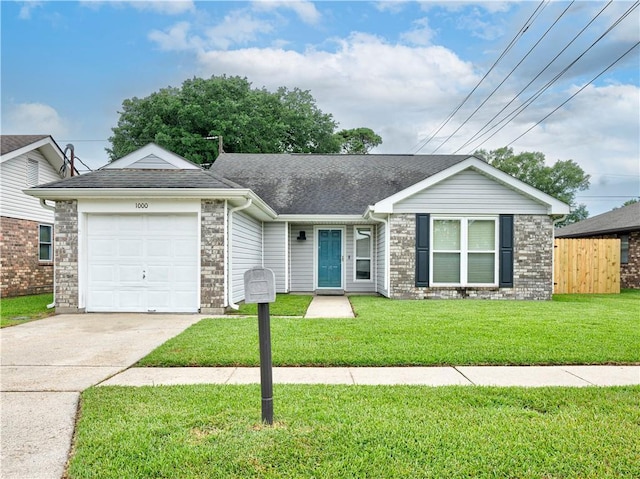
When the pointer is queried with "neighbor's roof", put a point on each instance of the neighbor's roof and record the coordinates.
(328, 184)
(622, 219)
(15, 142)
(145, 178)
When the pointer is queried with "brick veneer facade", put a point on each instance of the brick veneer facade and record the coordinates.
(66, 256)
(22, 272)
(212, 257)
(532, 271)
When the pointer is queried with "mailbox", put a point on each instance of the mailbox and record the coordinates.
(259, 286)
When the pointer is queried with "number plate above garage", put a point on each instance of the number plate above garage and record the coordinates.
(259, 286)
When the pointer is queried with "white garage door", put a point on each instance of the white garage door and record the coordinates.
(142, 263)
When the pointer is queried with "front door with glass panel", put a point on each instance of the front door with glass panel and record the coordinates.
(330, 258)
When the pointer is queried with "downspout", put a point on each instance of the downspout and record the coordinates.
(553, 256)
(230, 302)
(44, 204)
(387, 253)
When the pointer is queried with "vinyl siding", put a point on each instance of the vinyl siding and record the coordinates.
(469, 192)
(361, 286)
(246, 237)
(301, 259)
(152, 162)
(275, 249)
(13, 174)
(380, 260)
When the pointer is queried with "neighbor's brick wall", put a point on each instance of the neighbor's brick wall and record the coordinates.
(21, 271)
(212, 257)
(66, 256)
(533, 262)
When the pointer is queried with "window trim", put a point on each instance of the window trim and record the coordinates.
(370, 258)
(41, 243)
(464, 250)
(624, 239)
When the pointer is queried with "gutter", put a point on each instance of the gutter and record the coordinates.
(44, 204)
(246, 205)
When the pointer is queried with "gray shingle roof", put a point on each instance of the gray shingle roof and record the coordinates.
(328, 184)
(131, 178)
(11, 143)
(622, 219)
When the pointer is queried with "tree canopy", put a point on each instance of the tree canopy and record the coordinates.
(358, 141)
(190, 120)
(562, 180)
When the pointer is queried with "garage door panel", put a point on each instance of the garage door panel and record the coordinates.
(143, 263)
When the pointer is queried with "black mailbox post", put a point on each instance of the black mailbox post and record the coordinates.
(260, 288)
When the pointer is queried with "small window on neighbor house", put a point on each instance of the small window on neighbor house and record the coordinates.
(32, 172)
(624, 249)
(45, 243)
(362, 238)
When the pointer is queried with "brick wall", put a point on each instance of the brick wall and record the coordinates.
(533, 263)
(212, 257)
(66, 256)
(21, 271)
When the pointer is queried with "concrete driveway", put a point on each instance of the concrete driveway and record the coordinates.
(45, 364)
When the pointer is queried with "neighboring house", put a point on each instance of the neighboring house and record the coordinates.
(622, 223)
(154, 232)
(26, 227)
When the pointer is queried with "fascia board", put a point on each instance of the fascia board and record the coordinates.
(554, 206)
(321, 218)
(32, 146)
(151, 149)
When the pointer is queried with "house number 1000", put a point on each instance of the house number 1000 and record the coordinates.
(142, 205)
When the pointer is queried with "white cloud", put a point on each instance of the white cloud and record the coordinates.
(176, 38)
(305, 10)
(33, 118)
(420, 34)
(238, 27)
(391, 6)
(27, 8)
(164, 7)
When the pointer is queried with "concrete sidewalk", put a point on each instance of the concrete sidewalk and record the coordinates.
(329, 307)
(527, 376)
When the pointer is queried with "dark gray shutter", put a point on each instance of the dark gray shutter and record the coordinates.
(506, 251)
(422, 250)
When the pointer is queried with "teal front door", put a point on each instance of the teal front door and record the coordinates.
(329, 258)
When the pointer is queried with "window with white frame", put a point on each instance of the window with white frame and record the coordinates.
(45, 242)
(363, 252)
(464, 251)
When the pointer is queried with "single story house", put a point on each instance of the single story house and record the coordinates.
(622, 223)
(26, 227)
(154, 232)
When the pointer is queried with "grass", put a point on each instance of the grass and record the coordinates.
(26, 308)
(576, 329)
(358, 432)
(285, 305)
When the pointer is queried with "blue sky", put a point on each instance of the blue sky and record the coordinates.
(397, 67)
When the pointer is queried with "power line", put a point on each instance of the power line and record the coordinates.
(529, 101)
(505, 78)
(517, 95)
(541, 6)
(572, 96)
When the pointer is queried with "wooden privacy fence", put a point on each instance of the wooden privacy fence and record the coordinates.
(586, 265)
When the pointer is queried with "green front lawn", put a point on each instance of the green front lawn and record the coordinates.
(357, 432)
(575, 329)
(285, 305)
(24, 308)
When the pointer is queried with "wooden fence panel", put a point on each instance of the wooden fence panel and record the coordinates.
(586, 265)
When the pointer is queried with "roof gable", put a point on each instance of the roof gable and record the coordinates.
(626, 218)
(16, 145)
(154, 157)
(552, 205)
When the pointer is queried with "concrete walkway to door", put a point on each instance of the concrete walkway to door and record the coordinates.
(330, 307)
(45, 365)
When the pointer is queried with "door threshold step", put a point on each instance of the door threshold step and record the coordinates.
(329, 292)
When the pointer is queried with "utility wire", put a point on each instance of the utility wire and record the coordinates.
(529, 101)
(505, 78)
(508, 48)
(572, 96)
(517, 95)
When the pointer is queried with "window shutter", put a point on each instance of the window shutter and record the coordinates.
(506, 251)
(422, 250)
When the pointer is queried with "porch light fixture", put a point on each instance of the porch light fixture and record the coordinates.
(302, 236)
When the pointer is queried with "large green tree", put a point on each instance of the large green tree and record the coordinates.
(358, 141)
(562, 180)
(190, 120)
